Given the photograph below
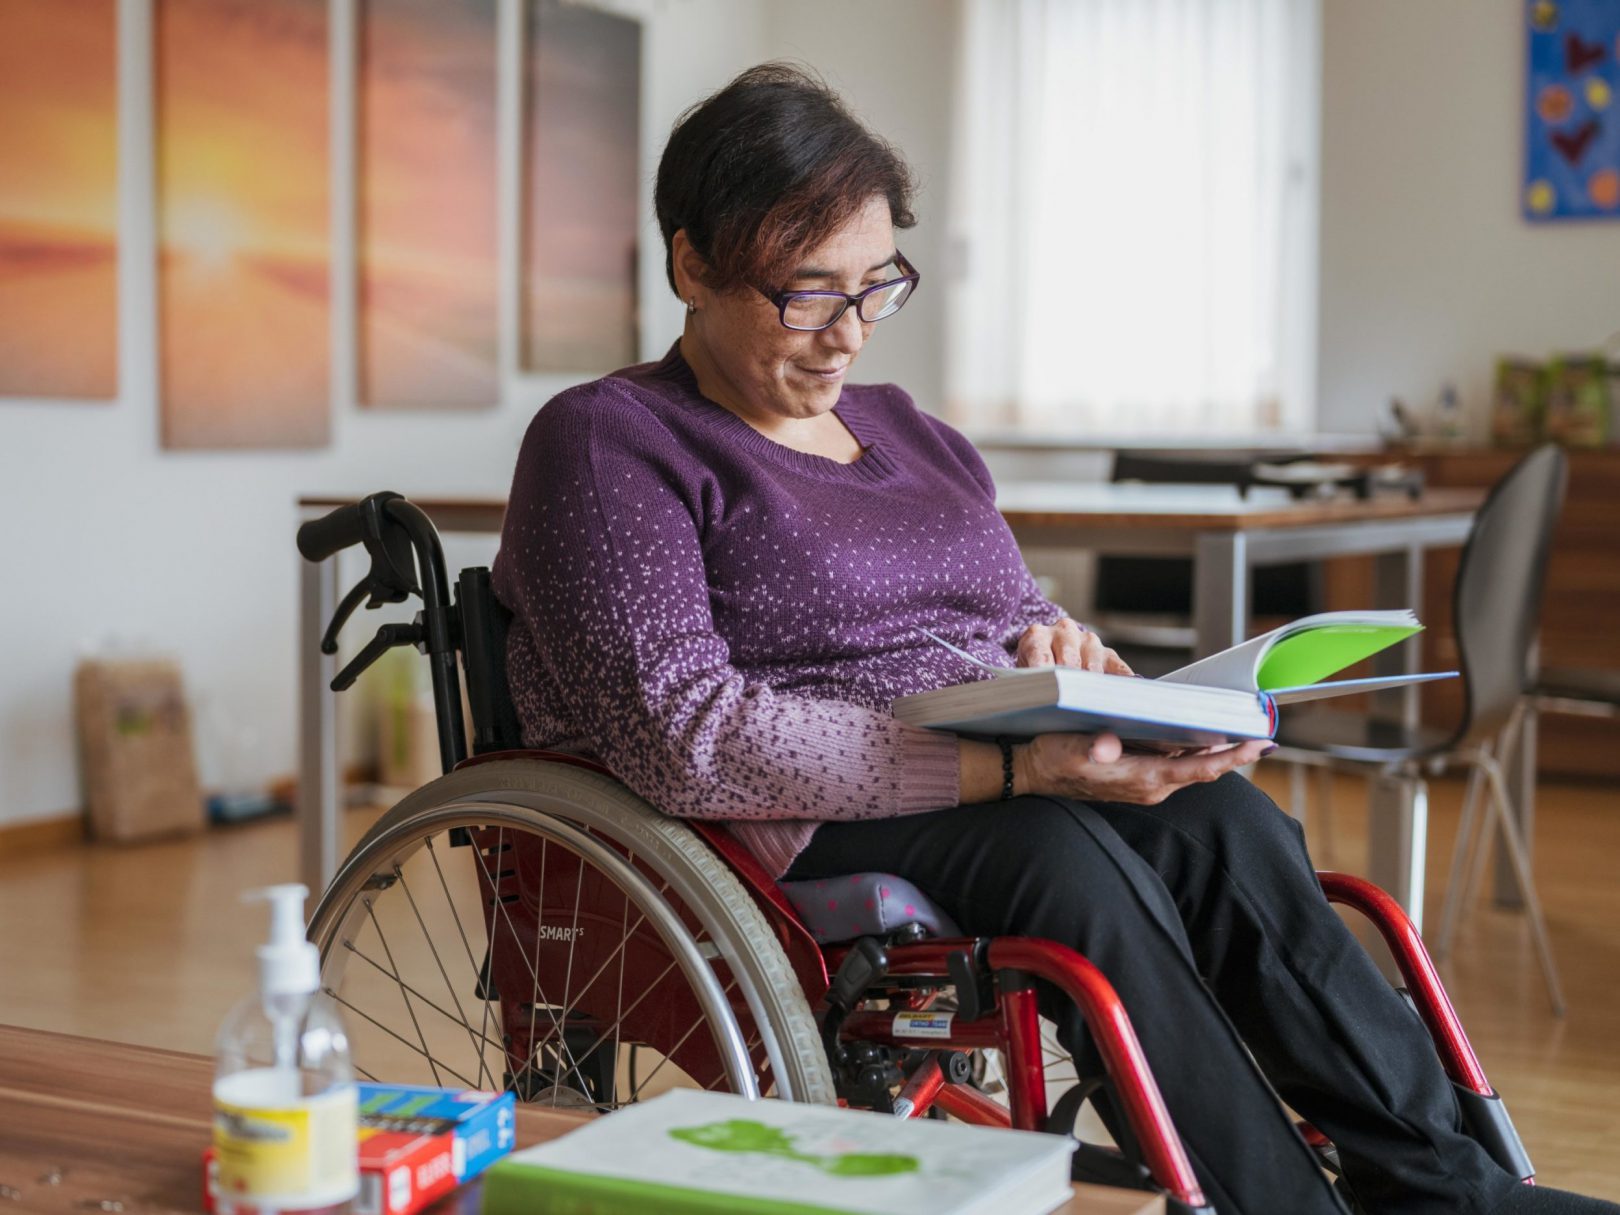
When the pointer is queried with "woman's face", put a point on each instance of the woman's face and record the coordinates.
(762, 369)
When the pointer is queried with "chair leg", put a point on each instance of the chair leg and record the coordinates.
(1470, 840)
(1479, 858)
(1508, 830)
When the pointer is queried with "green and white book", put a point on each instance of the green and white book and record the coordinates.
(1227, 697)
(690, 1152)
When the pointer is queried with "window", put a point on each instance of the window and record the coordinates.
(1133, 217)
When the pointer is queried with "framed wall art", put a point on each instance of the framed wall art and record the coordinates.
(58, 199)
(581, 185)
(426, 189)
(1572, 123)
(241, 130)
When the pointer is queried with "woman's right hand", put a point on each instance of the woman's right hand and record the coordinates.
(1096, 768)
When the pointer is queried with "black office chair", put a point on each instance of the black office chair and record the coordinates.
(1496, 604)
(1579, 692)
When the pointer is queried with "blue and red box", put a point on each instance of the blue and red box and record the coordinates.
(481, 1124)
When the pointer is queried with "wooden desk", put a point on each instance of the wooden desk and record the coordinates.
(128, 1124)
(1225, 534)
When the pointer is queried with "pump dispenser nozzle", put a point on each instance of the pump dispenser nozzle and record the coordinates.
(288, 963)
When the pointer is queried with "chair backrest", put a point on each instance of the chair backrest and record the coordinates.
(484, 625)
(1496, 601)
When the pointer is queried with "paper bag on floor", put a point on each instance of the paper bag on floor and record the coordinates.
(140, 776)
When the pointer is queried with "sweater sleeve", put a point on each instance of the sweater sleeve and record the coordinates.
(602, 560)
(1033, 605)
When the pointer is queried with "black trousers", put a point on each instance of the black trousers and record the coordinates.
(1205, 914)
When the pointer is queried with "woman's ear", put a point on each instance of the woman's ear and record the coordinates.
(689, 268)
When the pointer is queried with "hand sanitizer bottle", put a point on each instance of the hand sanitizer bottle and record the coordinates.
(286, 1111)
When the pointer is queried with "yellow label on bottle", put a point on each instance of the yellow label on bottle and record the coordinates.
(277, 1148)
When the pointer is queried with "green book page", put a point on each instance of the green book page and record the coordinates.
(1313, 654)
(517, 1189)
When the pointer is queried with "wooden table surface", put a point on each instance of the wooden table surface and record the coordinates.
(1027, 504)
(90, 1126)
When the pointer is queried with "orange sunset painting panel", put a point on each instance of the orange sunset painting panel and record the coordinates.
(581, 176)
(243, 255)
(427, 197)
(58, 199)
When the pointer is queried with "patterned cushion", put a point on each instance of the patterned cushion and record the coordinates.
(863, 905)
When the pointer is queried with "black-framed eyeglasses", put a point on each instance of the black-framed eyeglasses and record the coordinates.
(809, 311)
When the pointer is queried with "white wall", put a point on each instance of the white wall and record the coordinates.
(192, 553)
(1427, 270)
(895, 63)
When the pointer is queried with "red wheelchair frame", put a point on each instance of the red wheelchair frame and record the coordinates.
(993, 979)
(1009, 1022)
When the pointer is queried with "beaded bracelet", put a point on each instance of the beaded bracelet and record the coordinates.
(1006, 745)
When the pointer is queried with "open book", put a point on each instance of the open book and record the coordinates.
(1227, 697)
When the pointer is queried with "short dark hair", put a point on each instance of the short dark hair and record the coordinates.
(765, 170)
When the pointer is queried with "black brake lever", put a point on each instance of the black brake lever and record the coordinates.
(329, 642)
(389, 636)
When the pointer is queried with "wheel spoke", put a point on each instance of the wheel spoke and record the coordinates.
(673, 1051)
(636, 1003)
(486, 979)
(472, 1040)
(402, 1040)
(729, 988)
(389, 954)
(624, 953)
(531, 967)
(568, 971)
(466, 945)
(534, 990)
(443, 1012)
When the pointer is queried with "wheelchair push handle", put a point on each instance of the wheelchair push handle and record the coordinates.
(342, 528)
(401, 541)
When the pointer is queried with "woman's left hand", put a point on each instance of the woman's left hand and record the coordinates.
(1066, 644)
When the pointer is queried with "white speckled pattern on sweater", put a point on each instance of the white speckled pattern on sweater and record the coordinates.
(724, 621)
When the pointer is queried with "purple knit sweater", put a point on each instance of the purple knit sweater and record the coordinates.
(723, 621)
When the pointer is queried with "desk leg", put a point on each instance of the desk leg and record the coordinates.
(317, 729)
(1398, 583)
(1398, 810)
(1220, 591)
(1398, 839)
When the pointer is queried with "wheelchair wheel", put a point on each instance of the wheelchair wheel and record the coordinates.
(536, 926)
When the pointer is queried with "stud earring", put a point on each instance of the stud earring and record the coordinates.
(691, 306)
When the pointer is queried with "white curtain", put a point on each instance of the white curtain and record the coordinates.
(1133, 217)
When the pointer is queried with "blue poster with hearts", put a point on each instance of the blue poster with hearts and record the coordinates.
(1572, 125)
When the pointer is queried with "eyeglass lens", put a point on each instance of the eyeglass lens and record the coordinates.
(817, 311)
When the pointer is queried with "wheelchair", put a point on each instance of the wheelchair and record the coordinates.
(526, 922)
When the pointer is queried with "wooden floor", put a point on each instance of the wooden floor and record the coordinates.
(151, 945)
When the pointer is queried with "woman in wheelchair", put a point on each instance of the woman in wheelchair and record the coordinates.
(718, 564)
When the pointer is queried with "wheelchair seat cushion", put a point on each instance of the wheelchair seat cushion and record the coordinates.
(864, 905)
